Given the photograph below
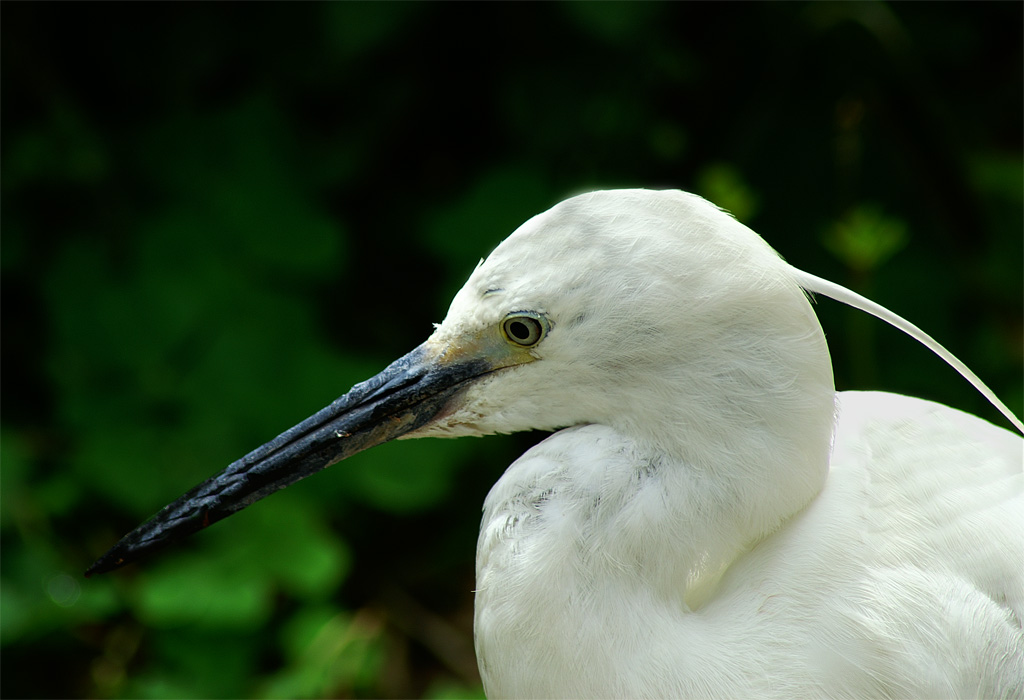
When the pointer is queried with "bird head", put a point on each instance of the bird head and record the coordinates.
(651, 311)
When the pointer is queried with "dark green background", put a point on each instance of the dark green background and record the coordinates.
(217, 217)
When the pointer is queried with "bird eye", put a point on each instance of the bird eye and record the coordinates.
(523, 329)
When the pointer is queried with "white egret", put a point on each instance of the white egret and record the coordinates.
(711, 519)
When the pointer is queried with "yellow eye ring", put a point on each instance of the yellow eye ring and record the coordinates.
(523, 329)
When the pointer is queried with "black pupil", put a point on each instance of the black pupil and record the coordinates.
(519, 329)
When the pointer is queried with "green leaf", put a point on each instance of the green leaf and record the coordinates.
(865, 238)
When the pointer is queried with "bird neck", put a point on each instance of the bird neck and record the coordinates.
(743, 436)
(593, 531)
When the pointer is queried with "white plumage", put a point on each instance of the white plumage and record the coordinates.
(718, 522)
(711, 520)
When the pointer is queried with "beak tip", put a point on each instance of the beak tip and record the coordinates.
(116, 557)
(108, 562)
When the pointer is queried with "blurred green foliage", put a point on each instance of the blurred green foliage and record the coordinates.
(865, 238)
(218, 217)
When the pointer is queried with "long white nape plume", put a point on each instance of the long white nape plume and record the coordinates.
(841, 294)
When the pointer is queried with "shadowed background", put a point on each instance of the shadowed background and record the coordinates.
(218, 217)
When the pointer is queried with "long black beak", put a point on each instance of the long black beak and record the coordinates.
(407, 395)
